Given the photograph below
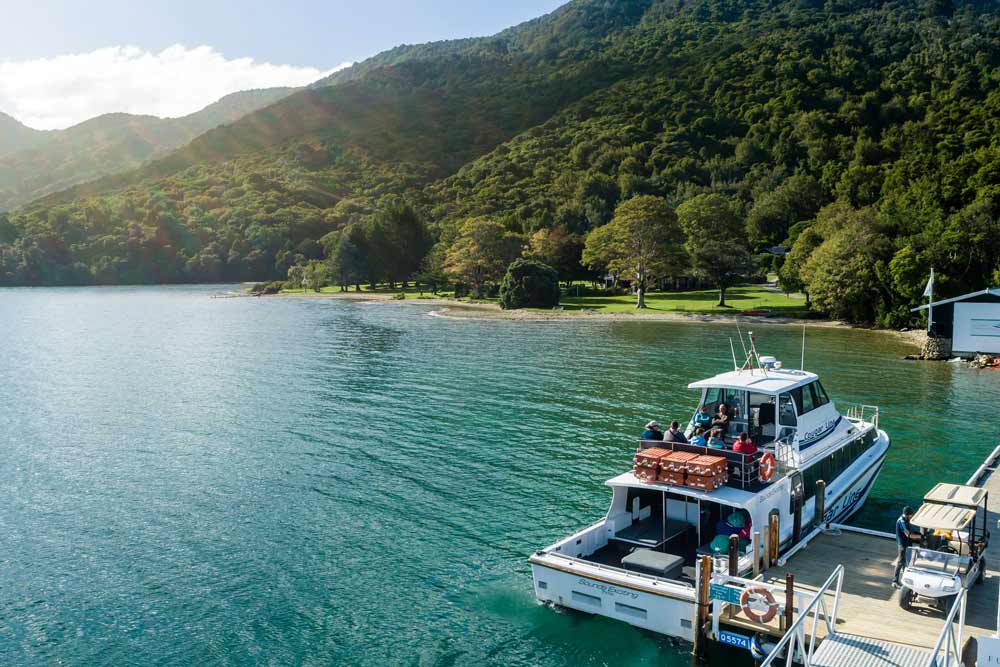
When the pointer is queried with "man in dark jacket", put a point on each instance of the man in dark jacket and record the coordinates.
(674, 433)
(904, 537)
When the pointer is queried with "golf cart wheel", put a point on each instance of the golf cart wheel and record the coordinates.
(905, 598)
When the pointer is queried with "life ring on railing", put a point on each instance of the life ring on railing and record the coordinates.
(767, 465)
(761, 592)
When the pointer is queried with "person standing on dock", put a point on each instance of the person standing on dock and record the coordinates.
(904, 537)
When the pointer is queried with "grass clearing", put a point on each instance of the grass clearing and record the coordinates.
(738, 299)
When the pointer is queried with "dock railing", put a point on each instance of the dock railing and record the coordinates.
(794, 643)
(948, 650)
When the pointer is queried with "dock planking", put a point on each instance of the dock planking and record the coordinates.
(869, 605)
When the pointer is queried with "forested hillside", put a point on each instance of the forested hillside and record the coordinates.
(39, 163)
(862, 133)
(14, 135)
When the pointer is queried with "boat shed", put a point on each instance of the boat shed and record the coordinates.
(970, 321)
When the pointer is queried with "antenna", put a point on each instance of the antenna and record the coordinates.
(753, 351)
(802, 364)
(746, 353)
(733, 349)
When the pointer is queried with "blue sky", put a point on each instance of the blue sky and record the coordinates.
(294, 32)
(64, 61)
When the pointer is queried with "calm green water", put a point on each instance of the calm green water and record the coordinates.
(187, 480)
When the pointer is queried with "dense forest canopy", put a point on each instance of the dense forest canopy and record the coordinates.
(863, 134)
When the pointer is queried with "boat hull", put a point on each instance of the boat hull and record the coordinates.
(660, 606)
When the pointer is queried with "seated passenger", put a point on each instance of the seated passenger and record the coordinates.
(715, 441)
(721, 419)
(699, 437)
(744, 445)
(702, 418)
(674, 433)
(652, 431)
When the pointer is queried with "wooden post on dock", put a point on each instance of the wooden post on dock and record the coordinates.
(767, 548)
(774, 536)
(704, 581)
(820, 503)
(756, 553)
(734, 555)
(789, 600)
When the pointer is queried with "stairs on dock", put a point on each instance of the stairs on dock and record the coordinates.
(841, 650)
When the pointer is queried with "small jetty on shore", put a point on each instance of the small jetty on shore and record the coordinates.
(828, 603)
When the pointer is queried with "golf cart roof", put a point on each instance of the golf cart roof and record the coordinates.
(943, 517)
(956, 494)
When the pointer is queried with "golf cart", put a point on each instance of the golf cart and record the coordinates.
(952, 524)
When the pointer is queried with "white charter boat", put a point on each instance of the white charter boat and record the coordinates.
(637, 564)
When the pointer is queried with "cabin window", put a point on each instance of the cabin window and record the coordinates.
(818, 394)
(786, 410)
(733, 398)
(830, 468)
(804, 399)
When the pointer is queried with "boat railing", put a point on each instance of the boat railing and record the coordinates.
(743, 469)
(863, 413)
(617, 570)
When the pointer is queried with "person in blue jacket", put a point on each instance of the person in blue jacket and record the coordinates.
(652, 431)
(702, 418)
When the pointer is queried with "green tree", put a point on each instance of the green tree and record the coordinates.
(775, 211)
(347, 264)
(481, 253)
(846, 275)
(643, 241)
(296, 276)
(790, 273)
(559, 248)
(401, 240)
(716, 240)
(316, 275)
(529, 284)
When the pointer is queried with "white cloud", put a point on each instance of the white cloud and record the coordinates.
(57, 92)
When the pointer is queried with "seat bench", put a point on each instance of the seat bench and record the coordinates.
(656, 563)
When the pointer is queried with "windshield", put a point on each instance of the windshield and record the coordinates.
(936, 561)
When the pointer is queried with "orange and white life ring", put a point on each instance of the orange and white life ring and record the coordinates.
(767, 465)
(760, 593)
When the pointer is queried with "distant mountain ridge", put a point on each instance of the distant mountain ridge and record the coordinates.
(15, 135)
(36, 163)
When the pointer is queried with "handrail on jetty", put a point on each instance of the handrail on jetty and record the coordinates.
(794, 641)
(948, 650)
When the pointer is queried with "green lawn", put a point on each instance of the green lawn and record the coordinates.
(738, 299)
(701, 301)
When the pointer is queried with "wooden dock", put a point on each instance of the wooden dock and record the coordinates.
(869, 605)
(871, 628)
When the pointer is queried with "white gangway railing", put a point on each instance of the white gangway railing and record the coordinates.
(794, 642)
(948, 650)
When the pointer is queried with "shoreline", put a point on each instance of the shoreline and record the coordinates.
(450, 309)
